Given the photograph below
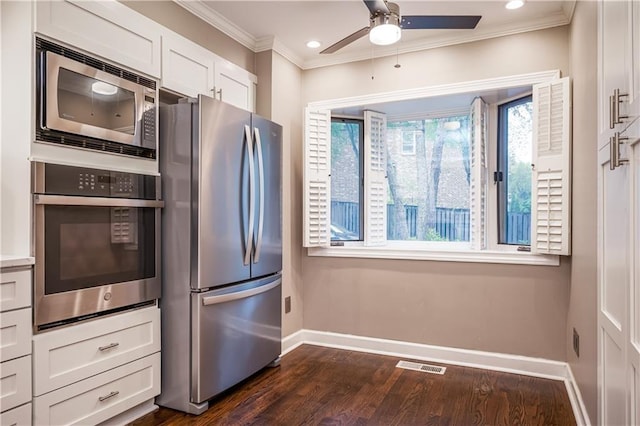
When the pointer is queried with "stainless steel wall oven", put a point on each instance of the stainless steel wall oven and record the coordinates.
(97, 242)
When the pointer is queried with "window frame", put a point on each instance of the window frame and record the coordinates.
(360, 122)
(493, 253)
(502, 166)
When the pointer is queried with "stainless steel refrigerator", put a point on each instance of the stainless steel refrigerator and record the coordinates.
(222, 249)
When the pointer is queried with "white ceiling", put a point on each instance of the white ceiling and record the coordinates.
(286, 26)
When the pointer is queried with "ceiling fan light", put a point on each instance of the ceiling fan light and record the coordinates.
(385, 34)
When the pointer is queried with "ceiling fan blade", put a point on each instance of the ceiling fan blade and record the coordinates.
(462, 22)
(376, 6)
(347, 40)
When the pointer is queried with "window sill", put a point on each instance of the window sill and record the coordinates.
(446, 255)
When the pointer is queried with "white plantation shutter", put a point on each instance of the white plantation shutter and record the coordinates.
(551, 178)
(375, 172)
(317, 179)
(478, 181)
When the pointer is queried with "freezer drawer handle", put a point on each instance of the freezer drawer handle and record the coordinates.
(109, 395)
(212, 300)
(248, 249)
(109, 346)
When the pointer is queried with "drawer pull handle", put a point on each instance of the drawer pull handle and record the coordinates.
(109, 346)
(110, 395)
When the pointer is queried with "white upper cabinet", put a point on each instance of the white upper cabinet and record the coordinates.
(187, 68)
(103, 28)
(234, 85)
(191, 70)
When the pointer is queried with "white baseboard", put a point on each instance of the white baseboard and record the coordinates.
(529, 366)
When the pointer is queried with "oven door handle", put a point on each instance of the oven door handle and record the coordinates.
(66, 200)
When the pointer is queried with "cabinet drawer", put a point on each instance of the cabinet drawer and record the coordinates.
(15, 382)
(65, 356)
(15, 289)
(15, 334)
(20, 416)
(100, 397)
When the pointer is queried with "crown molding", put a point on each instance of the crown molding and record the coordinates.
(274, 43)
(215, 19)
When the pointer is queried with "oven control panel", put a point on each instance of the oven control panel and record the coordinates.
(69, 180)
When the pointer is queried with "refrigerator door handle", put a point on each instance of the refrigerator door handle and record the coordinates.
(212, 300)
(248, 248)
(258, 244)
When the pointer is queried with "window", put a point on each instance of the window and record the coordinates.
(428, 193)
(439, 202)
(513, 177)
(347, 136)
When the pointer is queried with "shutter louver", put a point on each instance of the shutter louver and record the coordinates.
(375, 188)
(551, 186)
(478, 181)
(317, 179)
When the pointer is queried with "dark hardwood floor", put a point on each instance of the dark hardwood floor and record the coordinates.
(323, 386)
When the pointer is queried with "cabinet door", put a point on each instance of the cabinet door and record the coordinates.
(105, 28)
(235, 86)
(613, 291)
(613, 61)
(187, 68)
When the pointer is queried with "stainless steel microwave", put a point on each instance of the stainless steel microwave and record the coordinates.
(87, 103)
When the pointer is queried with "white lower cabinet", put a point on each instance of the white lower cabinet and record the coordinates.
(93, 371)
(20, 416)
(65, 356)
(100, 397)
(15, 382)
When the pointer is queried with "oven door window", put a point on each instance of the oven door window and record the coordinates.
(93, 246)
(86, 100)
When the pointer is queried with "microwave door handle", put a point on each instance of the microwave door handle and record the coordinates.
(248, 248)
(256, 133)
(67, 200)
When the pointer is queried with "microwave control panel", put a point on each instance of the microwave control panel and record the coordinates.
(82, 181)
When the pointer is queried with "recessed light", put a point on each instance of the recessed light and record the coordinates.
(313, 44)
(514, 4)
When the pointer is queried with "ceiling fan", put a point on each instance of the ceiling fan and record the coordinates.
(386, 24)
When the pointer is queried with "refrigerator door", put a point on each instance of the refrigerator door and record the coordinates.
(267, 252)
(221, 177)
(236, 332)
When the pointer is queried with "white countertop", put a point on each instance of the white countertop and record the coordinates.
(9, 261)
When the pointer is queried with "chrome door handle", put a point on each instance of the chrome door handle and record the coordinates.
(617, 118)
(258, 244)
(69, 200)
(109, 395)
(248, 247)
(617, 140)
(612, 154)
(109, 346)
(612, 115)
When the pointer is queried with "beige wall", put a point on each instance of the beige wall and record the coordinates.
(279, 99)
(183, 22)
(286, 109)
(582, 312)
(502, 308)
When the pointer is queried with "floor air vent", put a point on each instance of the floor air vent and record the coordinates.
(433, 369)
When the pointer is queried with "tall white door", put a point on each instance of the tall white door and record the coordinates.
(613, 288)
